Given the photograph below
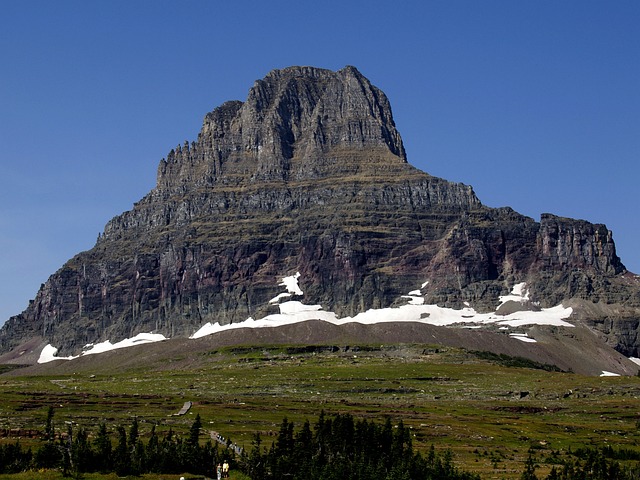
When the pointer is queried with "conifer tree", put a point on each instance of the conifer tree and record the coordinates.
(48, 455)
(152, 455)
(49, 433)
(121, 455)
(81, 453)
(103, 449)
(194, 432)
(529, 472)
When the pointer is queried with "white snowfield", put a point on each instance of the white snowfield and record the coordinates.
(293, 311)
(49, 352)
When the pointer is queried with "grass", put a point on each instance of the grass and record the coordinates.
(55, 475)
(490, 414)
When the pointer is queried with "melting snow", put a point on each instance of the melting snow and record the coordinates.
(414, 300)
(518, 294)
(609, 374)
(293, 311)
(129, 342)
(48, 353)
(523, 337)
(414, 311)
(291, 283)
(277, 298)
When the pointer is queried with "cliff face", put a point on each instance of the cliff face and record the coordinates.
(309, 174)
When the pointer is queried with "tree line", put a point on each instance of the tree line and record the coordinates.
(588, 464)
(341, 448)
(334, 448)
(75, 452)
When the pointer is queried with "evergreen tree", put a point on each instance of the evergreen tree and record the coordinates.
(121, 456)
(255, 464)
(65, 444)
(81, 453)
(209, 458)
(169, 454)
(303, 450)
(191, 456)
(103, 450)
(48, 455)
(134, 432)
(137, 465)
(13, 459)
(194, 432)
(529, 472)
(283, 451)
(152, 454)
(49, 433)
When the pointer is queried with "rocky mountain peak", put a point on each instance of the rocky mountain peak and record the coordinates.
(295, 124)
(309, 174)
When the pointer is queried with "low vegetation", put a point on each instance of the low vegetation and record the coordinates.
(489, 417)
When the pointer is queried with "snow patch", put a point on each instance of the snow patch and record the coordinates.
(547, 316)
(635, 360)
(609, 374)
(414, 300)
(415, 311)
(280, 296)
(292, 284)
(518, 294)
(293, 311)
(48, 353)
(139, 339)
(523, 337)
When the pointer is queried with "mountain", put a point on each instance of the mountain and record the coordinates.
(310, 175)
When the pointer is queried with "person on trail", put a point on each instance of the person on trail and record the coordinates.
(225, 469)
(219, 472)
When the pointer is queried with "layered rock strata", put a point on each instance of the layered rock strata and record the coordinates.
(310, 175)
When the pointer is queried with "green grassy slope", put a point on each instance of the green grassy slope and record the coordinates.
(488, 413)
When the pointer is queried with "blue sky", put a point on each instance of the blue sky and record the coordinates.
(536, 104)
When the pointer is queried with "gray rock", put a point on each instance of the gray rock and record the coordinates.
(309, 174)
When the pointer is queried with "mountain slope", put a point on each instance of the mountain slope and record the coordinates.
(310, 175)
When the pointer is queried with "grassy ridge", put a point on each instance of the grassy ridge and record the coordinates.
(489, 414)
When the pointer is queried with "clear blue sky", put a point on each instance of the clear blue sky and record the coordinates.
(536, 104)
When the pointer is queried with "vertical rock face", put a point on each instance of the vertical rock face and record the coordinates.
(309, 174)
(566, 243)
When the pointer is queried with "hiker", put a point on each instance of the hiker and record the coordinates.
(219, 472)
(225, 469)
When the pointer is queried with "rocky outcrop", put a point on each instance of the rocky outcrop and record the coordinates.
(309, 174)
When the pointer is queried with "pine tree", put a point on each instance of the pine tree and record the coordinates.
(103, 450)
(134, 432)
(256, 462)
(152, 455)
(121, 455)
(194, 432)
(81, 453)
(48, 455)
(529, 469)
(283, 451)
(49, 433)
